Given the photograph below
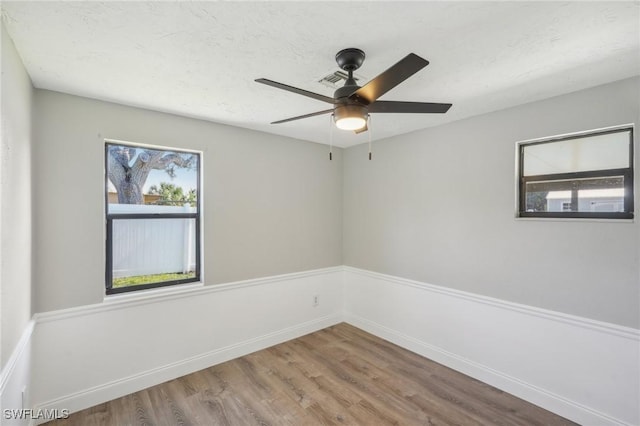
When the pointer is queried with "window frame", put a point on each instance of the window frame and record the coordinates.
(627, 173)
(110, 217)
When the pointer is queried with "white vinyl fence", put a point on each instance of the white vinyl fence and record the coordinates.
(152, 246)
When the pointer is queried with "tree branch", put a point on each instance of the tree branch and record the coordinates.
(174, 159)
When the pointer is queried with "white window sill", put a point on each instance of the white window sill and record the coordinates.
(573, 219)
(154, 293)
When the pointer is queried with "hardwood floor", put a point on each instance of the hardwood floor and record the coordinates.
(339, 375)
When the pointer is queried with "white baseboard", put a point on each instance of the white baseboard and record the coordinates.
(528, 392)
(581, 369)
(16, 376)
(93, 354)
(126, 385)
(16, 356)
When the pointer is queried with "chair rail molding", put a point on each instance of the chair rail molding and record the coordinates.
(582, 369)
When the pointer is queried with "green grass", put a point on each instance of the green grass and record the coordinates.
(148, 279)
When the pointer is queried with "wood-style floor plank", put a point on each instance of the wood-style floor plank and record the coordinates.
(337, 376)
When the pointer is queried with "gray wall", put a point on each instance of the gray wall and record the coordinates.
(438, 206)
(272, 205)
(15, 199)
(435, 205)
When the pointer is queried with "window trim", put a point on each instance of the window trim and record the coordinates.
(110, 217)
(627, 173)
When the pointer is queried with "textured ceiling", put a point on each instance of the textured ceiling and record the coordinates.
(200, 59)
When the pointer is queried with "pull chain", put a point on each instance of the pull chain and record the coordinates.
(331, 137)
(369, 127)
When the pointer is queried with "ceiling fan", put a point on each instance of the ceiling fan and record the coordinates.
(352, 103)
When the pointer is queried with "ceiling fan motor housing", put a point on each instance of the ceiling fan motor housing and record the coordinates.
(349, 110)
(345, 91)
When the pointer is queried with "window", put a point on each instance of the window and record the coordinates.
(586, 175)
(152, 203)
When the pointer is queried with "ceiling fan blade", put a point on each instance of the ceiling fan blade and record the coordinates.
(295, 90)
(389, 79)
(408, 107)
(313, 114)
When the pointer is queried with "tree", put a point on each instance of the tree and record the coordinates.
(173, 195)
(536, 201)
(129, 179)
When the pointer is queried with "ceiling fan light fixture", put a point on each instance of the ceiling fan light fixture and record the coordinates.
(350, 117)
(351, 123)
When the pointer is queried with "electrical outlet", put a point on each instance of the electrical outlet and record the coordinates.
(316, 300)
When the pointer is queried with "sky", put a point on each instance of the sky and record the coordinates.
(185, 178)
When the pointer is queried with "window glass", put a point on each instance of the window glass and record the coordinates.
(595, 194)
(601, 152)
(153, 217)
(149, 251)
(144, 180)
(586, 176)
